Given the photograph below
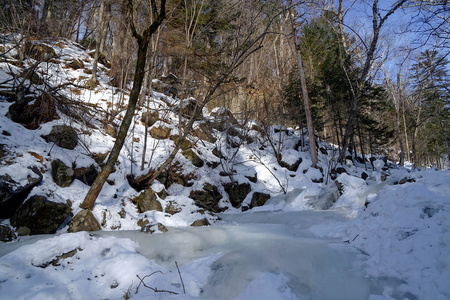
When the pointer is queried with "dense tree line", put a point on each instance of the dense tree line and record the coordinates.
(366, 93)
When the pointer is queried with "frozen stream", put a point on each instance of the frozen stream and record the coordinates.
(247, 256)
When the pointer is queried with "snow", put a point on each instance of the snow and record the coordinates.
(375, 239)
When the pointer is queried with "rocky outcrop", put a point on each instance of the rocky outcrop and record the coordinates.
(62, 175)
(147, 200)
(193, 157)
(160, 133)
(149, 118)
(6, 233)
(63, 136)
(201, 222)
(204, 132)
(237, 192)
(39, 52)
(12, 194)
(86, 175)
(40, 216)
(259, 199)
(208, 198)
(84, 221)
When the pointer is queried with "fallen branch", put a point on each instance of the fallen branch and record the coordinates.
(181, 278)
(149, 287)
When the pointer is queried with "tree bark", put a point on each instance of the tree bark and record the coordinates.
(143, 41)
(309, 122)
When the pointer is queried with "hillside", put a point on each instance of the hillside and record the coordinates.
(268, 217)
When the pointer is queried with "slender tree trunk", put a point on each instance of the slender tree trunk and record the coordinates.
(309, 123)
(143, 41)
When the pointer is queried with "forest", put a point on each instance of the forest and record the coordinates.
(371, 77)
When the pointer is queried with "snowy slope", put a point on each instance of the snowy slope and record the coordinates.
(290, 248)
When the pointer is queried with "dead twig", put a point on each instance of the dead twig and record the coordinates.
(149, 287)
(181, 278)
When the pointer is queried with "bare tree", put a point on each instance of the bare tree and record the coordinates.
(143, 41)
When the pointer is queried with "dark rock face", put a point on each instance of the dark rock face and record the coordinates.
(405, 180)
(201, 222)
(259, 199)
(12, 195)
(84, 221)
(86, 175)
(40, 215)
(62, 175)
(208, 198)
(6, 233)
(147, 200)
(150, 118)
(204, 132)
(42, 110)
(237, 192)
(364, 175)
(193, 157)
(63, 136)
(293, 167)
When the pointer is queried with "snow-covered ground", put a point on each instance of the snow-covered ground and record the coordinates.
(291, 248)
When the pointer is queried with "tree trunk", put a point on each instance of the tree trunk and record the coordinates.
(309, 123)
(143, 41)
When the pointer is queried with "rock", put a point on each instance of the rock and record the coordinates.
(253, 178)
(208, 198)
(32, 76)
(154, 228)
(86, 175)
(12, 195)
(364, 175)
(237, 192)
(216, 152)
(23, 231)
(201, 222)
(62, 175)
(172, 208)
(204, 132)
(32, 112)
(160, 133)
(75, 64)
(259, 199)
(40, 215)
(224, 115)
(162, 194)
(405, 180)
(323, 150)
(293, 167)
(122, 213)
(39, 52)
(186, 144)
(174, 174)
(110, 130)
(193, 157)
(169, 79)
(63, 136)
(147, 200)
(233, 132)
(149, 118)
(6, 233)
(189, 107)
(84, 221)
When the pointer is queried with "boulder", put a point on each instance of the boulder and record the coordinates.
(39, 52)
(12, 194)
(186, 144)
(201, 222)
(172, 208)
(110, 130)
(237, 192)
(147, 200)
(208, 198)
(40, 215)
(189, 107)
(149, 118)
(33, 112)
(160, 133)
(193, 157)
(223, 117)
(405, 180)
(86, 175)
(6, 233)
(76, 64)
(169, 79)
(293, 167)
(62, 175)
(84, 221)
(153, 228)
(63, 136)
(204, 132)
(259, 199)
